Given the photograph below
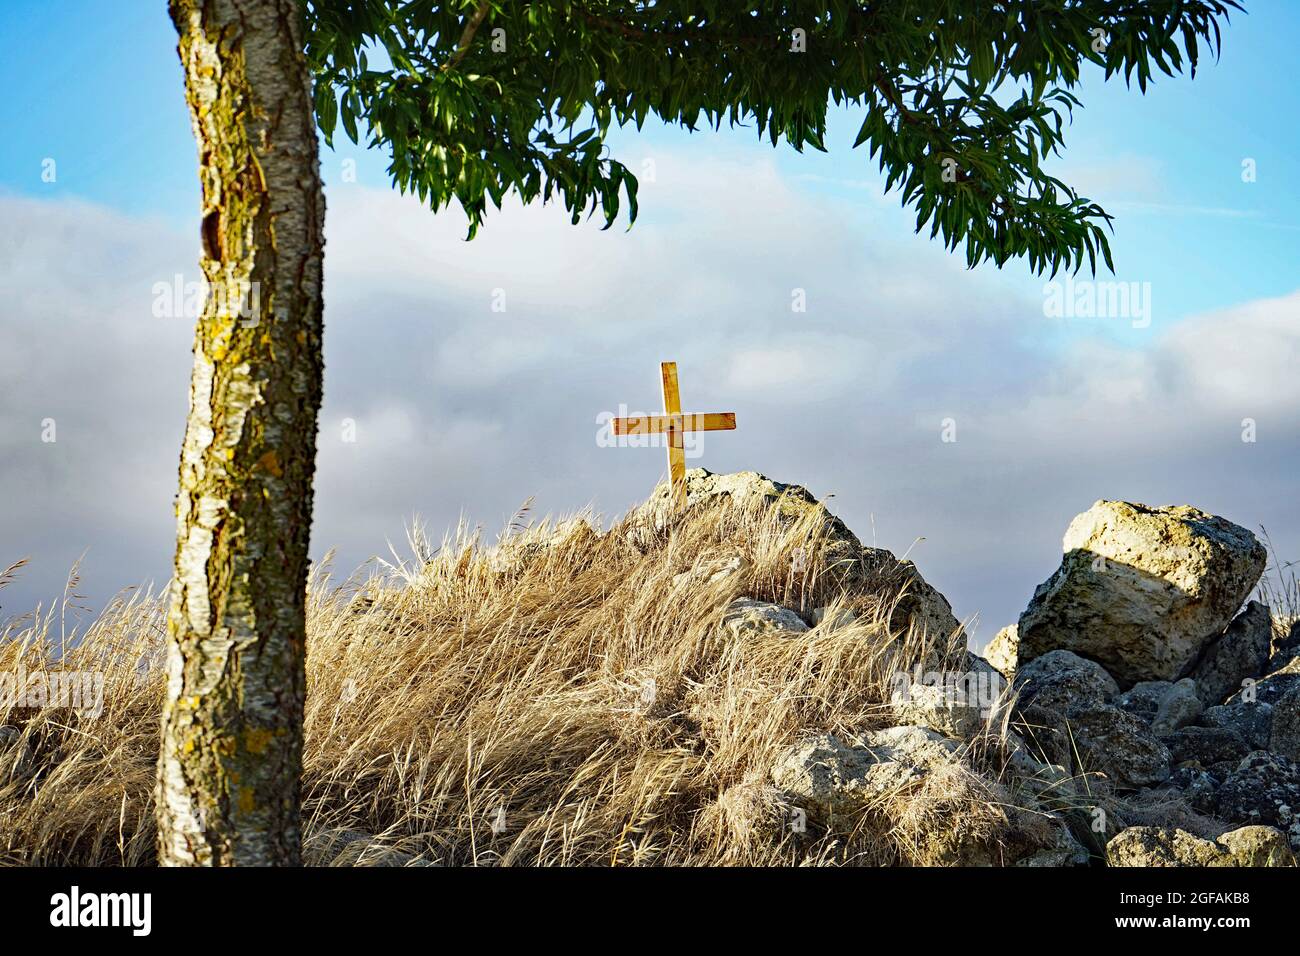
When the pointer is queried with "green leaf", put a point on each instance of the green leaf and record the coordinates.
(533, 120)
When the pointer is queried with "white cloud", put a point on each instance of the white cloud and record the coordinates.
(461, 409)
(1245, 357)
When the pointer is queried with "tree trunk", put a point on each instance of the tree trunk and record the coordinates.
(228, 774)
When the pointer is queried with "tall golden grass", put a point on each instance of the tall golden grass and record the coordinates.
(558, 697)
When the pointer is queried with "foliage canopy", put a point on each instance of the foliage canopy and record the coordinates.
(962, 100)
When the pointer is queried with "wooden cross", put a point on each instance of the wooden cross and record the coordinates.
(674, 424)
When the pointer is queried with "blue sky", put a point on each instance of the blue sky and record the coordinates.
(107, 104)
(1053, 414)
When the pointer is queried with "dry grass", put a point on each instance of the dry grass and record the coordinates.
(1279, 589)
(558, 697)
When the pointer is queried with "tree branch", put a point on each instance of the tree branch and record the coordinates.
(467, 36)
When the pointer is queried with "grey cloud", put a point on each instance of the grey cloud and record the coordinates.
(460, 410)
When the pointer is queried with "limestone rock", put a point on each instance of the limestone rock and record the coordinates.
(1042, 779)
(993, 687)
(1142, 590)
(1001, 652)
(919, 605)
(1270, 688)
(1045, 732)
(1065, 850)
(961, 705)
(1265, 788)
(935, 709)
(830, 778)
(1119, 745)
(1159, 846)
(1063, 681)
(746, 617)
(1179, 707)
(1142, 700)
(745, 489)
(1254, 722)
(1284, 735)
(1242, 651)
(833, 780)
(1198, 788)
(1206, 746)
(1049, 787)
(1258, 846)
(842, 557)
(1171, 847)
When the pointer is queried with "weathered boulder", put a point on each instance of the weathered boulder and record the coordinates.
(936, 708)
(1206, 746)
(1142, 700)
(791, 504)
(1265, 788)
(1002, 651)
(1169, 846)
(1046, 781)
(1241, 651)
(1064, 850)
(833, 780)
(918, 604)
(1270, 688)
(830, 778)
(993, 685)
(1041, 786)
(1254, 722)
(1284, 735)
(1045, 733)
(1179, 707)
(842, 557)
(1258, 846)
(1142, 590)
(959, 704)
(746, 617)
(1063, 681)
(1160, 846)
(1198, 788)
(1119, 745)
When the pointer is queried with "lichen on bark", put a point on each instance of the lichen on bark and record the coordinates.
(229, 768)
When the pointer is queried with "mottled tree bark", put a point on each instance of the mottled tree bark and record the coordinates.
(228, 775)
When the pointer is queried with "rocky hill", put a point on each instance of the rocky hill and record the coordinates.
(1134, 689)
(739, 682)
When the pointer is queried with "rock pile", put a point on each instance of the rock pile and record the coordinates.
(846, 560)
(1138, 651)
(1143, 591)
(1133, 681)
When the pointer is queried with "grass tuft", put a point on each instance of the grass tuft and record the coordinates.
(558, 697)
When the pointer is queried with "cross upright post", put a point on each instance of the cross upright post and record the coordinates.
(674, 425)
(676, 443)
